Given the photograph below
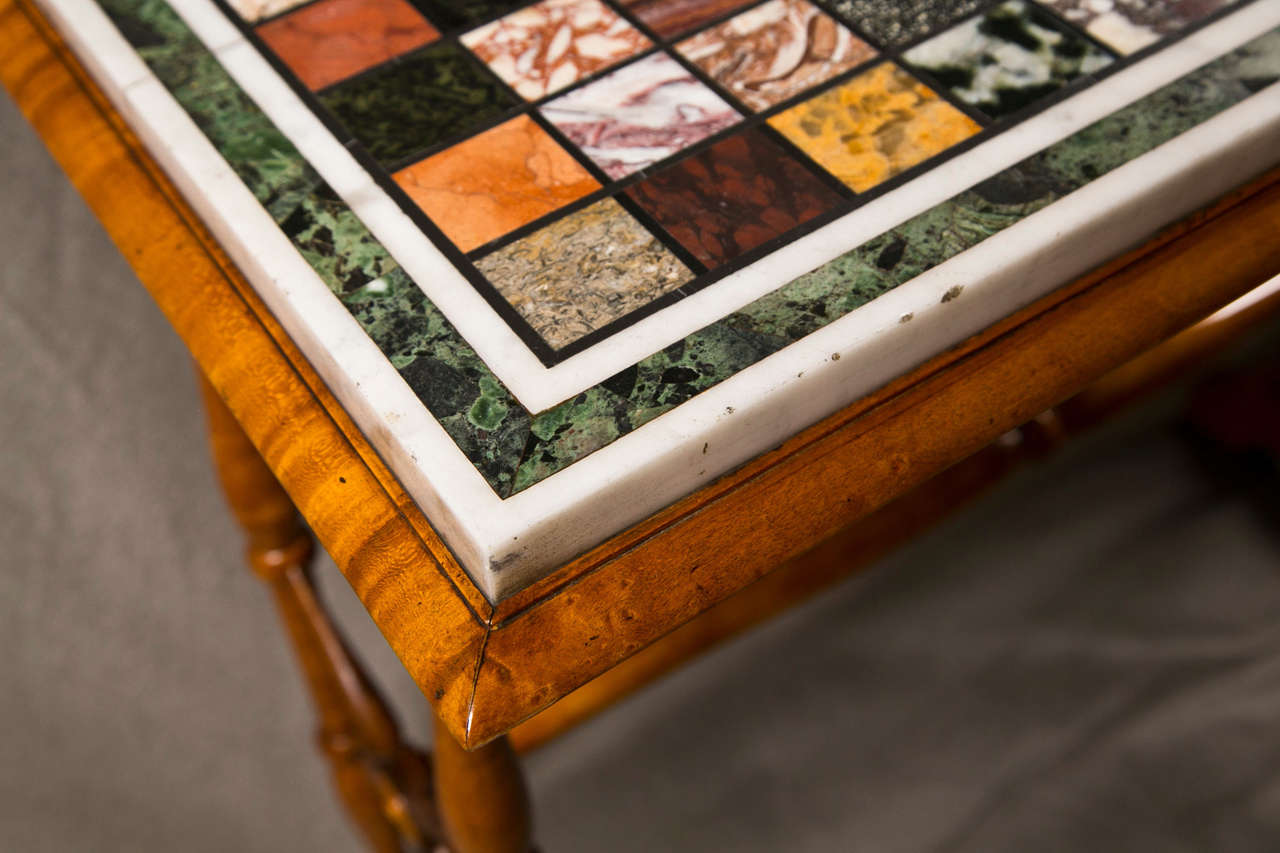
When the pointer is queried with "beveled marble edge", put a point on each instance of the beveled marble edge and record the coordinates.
(538, 387)
(507, 544)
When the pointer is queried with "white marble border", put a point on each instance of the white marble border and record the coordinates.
(507, 544)
(538, 387)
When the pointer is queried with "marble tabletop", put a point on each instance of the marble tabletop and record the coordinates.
(565, 262)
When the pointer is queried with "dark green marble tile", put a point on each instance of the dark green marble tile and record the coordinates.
(489, 426)
(425, 97)
(1008, 58)
(447, 14)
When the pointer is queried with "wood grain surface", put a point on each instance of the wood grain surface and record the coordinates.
(487, 668)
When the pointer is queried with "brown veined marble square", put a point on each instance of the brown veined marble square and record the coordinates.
(873, 126)
(670, 18)
(775, 51)
(335, 39)
(544, 47)
(494, 182)
(733, 196)
(582, 272)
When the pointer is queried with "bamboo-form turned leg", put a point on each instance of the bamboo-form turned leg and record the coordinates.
(481, 795)
(385, 785)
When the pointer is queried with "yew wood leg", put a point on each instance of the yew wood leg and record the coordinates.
(481, 795)
(385, 785)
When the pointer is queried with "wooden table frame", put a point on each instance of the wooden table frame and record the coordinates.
(727, 554)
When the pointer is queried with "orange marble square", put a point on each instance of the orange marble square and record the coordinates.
(334, 39)
(495, 182)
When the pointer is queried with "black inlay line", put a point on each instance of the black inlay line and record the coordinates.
(943, 93)
(773, 244)
(381, 172)
(535, 225)
(759, 118)
(637, 211)
(825, 86)
(611, 187)
(583, 158)
(748, 120)
(281, 14)
(798, 154)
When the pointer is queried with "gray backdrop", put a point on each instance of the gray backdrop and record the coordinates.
(1088, 660)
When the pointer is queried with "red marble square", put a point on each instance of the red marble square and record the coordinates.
(735, 195)
(331, 40)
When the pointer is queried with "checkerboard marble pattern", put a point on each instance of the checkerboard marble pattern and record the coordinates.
(503, 124)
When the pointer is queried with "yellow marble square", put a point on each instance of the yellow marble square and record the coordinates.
(874, 126)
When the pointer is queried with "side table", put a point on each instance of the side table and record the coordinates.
(488, 663)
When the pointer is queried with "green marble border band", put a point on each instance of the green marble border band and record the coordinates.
(513, 448)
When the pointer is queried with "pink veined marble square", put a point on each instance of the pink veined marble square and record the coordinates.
(553, 44)
(640, 114)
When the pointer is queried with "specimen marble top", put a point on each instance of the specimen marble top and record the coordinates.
(566, 261)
